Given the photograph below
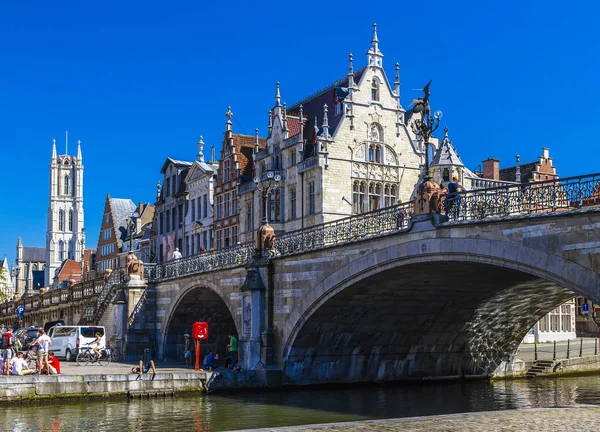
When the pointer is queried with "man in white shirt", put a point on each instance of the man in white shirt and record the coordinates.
(19, 365)
(44, 342)
(177, 254)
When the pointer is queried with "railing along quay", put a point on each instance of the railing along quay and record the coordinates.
(525, 199)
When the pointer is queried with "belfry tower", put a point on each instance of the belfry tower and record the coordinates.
(65, 234)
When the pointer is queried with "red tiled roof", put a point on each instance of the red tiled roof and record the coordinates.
(294, 125)
(243, 147)
(68, 269)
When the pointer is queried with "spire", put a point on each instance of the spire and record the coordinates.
(158, 191)
(397, 82)
(325, 122)
(67, 142)
(255, 148)
(270, 126)
(301, 128)
(375, 41)
(54, 150)
(518, 170)
(374, 56)
(200, 147)
(277, 95)
(79, 150)
(351, 83)
(284, 121)
(228, 114)
(212, 154)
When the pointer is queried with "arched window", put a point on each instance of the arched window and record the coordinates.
(389, 193)
(375, 153)
(446, 176)
(361, 197)
(70, 220)
(374, 195)
(66, 186)
(71, 252)
(375, 89)
(61, 220)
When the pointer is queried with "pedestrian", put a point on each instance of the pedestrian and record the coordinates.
(19, 366)
(232, 347)
(177, 255)
(43, 342)
(209, 359)
(187, 351)
(453, 198)
(7, 352)
(400, 215)
(15, 326)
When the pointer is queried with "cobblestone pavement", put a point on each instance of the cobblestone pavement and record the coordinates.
(576, 418)
(71, 368)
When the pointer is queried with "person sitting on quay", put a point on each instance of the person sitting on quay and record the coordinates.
(209, 360)
(54, 365)
(142, 369)
(19, 366)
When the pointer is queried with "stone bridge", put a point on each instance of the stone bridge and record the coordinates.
(454, 299)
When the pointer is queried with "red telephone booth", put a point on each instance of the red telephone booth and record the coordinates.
(199, 333)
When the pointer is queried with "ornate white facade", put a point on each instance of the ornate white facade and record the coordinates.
(65, 233)
(342, 151)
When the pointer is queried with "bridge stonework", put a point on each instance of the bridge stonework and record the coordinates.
(448, 300)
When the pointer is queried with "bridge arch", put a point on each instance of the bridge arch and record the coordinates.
(346, 328)
(198, 300)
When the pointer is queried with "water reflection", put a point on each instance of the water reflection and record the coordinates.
(254, 410)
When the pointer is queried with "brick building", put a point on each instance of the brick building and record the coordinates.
(113, 231)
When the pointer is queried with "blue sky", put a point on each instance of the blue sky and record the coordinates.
(140, 81)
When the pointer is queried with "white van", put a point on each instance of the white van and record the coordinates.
(68, 340)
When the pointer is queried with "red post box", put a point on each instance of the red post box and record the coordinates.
(199, 333)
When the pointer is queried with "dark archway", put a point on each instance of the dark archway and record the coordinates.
(199, 304)
(448, 318)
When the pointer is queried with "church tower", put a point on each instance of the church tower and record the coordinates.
(65, 233)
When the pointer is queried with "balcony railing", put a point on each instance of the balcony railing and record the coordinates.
(307, 164)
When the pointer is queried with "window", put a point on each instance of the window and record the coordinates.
(293, 203)
(355, 198)
(70, 220)
(174, 218)
(292, 158)
(226, 238)
(181, 213)
(234, 235)
(174, 184)
(311, 197)
(66, 185)
(168, 220)
(193, 210)
(204, 205)
(70, 251)
(375, 89)
(226, 170)
(219, 207)
(275, 164)
(226, 205)
(61, 220)
(446, 176)
(339, 108)
(61, 251)
(161, 224)
(374, 195)
(234, 209)
(275, 208)
(249, 207)
(167, 187)
(205, 240)
(389, 193)
(199, 207)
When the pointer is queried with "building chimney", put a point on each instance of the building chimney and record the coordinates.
(491, 168)
(545, 152)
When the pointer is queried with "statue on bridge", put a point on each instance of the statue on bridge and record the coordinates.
(134, 267)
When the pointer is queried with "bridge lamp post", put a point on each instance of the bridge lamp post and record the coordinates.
(428, 192)
(266, 233)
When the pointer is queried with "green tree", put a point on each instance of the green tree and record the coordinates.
(3, 285)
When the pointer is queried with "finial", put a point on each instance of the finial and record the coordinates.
(270, 118)
(54, 149)
(301, 126)
(518, 159)
(284, 110)
(200, 147)
(277, 95)
(325, 122)
(79, 151)
(397, 71)
(350, 64)
(158, 191)
(53, 141)
(375, 41)
(255, 148)
(446, 132)
(229, 114)
(66, 142)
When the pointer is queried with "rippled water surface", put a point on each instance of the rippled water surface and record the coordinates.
(255, 410)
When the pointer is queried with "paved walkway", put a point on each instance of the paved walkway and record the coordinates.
(526, 352)
(71, 368)
(576, 418)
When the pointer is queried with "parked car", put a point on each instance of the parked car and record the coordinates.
(67, 340)
(26, 335)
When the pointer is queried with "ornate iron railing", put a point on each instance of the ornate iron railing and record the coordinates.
(212, 260)
(345, 230)
(106, 291)
(524, 199)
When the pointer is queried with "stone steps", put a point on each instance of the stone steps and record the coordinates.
(539, 367)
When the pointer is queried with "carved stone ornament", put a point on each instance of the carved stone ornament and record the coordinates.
(428, 198)
(134, 266)
(266, 238)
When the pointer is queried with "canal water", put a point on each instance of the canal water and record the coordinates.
(216, 412)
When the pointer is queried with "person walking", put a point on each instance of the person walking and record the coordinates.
(187, 351)
(453, 198)
(177, 255)
(7, 352)
(233, 348)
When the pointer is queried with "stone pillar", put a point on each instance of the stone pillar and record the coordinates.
(119, 319)
(253, 323)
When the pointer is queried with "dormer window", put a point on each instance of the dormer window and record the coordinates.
(339, 108)
(375, 90)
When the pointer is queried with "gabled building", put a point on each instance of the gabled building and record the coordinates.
(170, 209)
(346, 149)
(200, 182)
(113, 231)
(236, 166)
(142, 217)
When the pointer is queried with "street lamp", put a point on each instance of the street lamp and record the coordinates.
(268, 185)
(266, 233)
(134, 216)
(426, 125)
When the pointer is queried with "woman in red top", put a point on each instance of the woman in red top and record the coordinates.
(54, 362)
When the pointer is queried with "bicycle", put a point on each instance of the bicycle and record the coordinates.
(115, 353)
(89, 356)
(32, 358)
